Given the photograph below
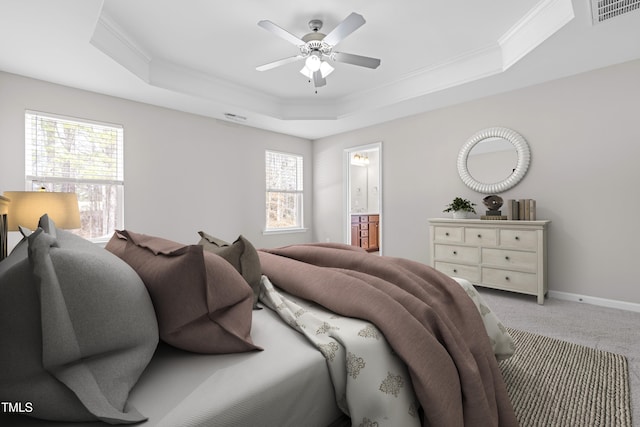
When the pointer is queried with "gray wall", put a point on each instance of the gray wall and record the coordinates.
(183, 173)
(584, 134)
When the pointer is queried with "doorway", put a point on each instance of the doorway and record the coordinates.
(363, 197)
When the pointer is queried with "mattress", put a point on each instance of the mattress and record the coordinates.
(286, 384)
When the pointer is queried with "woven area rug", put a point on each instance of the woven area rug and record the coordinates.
(556, 383)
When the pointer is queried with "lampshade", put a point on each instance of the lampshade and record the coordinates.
(26, 208)
(313, 62)
(324, 67)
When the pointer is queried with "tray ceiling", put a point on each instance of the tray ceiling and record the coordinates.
(200, 56)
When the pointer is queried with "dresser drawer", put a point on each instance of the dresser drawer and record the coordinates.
(518, 260)
(481, 236)
(512, 280)
(519, 239)
(469, 272)
(463, 254)
(507, 255)
(448, 234)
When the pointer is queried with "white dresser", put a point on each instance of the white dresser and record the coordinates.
(500, 254)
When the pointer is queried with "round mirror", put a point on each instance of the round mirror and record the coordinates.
(493, 160)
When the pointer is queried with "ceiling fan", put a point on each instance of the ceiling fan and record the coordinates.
(316, 47)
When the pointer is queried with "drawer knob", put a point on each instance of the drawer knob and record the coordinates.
(446, 234)
(517, 238)
(455, 270)
(455, 252)
(479, 236)
(506, 278)
(507, 258)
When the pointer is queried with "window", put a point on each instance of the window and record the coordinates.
(284, 191)
(82, 157)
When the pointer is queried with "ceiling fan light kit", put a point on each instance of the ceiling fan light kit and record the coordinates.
(313, 61)
(324, 68)
(316, 48)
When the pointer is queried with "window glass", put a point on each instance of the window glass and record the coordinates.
(283, 191)
(79, 156)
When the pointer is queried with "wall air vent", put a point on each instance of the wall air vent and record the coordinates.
(235, 117)
(602, 10)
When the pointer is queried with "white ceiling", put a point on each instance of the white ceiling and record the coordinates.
(200, 56)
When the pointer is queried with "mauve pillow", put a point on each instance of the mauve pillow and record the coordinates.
(77, 329)
(241, 255)
(202, 303)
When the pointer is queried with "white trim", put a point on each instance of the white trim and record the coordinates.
(73, 119)
(111, 39)
(537, 25)
(603, 302)
(299, 159)
(346, 193)
(540, 23)
(284, 230)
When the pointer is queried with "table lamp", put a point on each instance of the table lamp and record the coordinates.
(26, 208)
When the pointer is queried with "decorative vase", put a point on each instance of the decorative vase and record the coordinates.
(460, 214)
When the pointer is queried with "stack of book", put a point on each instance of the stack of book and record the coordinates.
(521, 209)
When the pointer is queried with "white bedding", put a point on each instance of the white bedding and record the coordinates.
(371, 382)
(287, 384)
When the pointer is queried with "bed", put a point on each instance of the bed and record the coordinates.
(180, 388)
(267, 371)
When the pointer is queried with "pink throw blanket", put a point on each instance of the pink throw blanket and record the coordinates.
(425, 316)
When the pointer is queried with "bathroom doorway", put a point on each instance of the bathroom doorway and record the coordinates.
(363, 197)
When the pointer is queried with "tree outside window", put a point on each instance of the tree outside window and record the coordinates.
(283, 191)
(79, 156)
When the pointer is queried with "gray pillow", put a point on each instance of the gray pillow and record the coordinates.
(77, 328)
(241, 254)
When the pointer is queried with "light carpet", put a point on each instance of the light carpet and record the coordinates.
(557, 383)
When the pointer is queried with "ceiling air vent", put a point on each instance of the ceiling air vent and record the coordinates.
(603, 10)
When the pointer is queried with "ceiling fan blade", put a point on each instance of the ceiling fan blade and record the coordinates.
(284, 34)
(362, 61)
(318, 80)
(346, 27)
(279, 62)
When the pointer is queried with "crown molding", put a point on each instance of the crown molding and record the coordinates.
(540, 23)
(534, 28)
(113, 41)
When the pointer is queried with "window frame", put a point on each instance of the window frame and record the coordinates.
(299, 193)
(34, 181)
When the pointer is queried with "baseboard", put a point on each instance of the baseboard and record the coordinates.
(604, 302)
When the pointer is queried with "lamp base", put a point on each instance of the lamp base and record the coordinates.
(4, 230)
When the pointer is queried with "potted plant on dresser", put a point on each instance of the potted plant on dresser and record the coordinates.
(461, 208)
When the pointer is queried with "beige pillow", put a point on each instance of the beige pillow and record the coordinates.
(202, 303)
(241, 255)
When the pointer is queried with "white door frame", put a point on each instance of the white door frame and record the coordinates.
(347, 188)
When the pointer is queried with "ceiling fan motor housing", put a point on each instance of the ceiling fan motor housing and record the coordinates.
(315, 24)
(313, 40)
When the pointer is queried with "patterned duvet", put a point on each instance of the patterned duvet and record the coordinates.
(405, 344)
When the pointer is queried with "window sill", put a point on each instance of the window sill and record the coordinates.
(284, 231)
